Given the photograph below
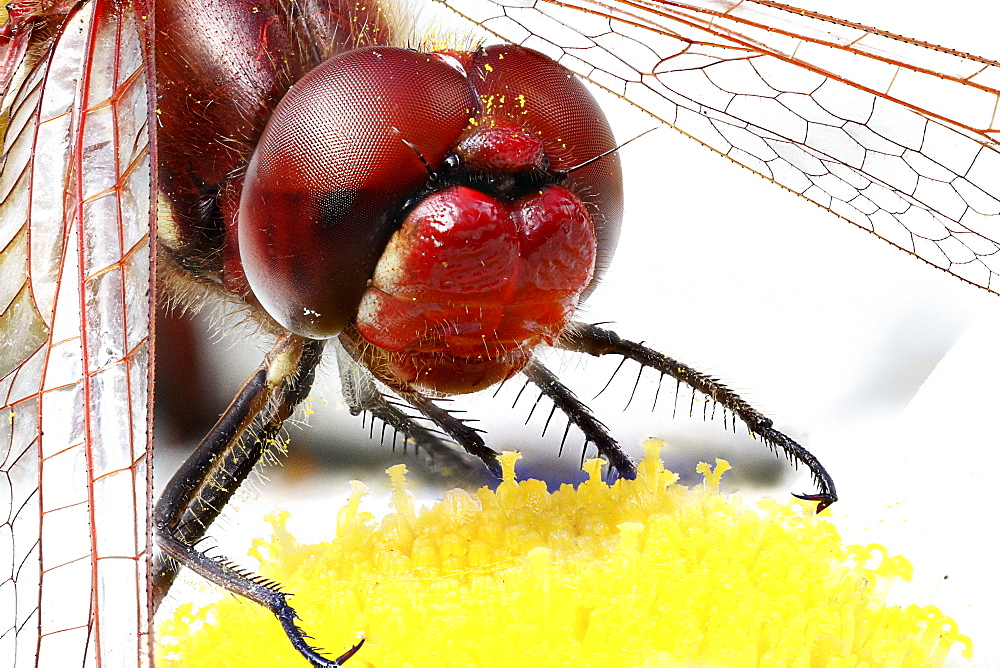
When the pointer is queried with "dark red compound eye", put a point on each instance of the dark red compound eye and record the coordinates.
(331, 172)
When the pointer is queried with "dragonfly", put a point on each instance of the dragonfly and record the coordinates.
(904, 101)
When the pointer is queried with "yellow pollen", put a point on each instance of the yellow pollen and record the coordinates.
(640, 573)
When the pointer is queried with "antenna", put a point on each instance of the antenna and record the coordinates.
(563, 173)
(413, 147)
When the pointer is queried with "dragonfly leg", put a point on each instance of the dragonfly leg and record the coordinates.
(596, 341)
(200, 489)
(466, 436)
(362, 395)
(458, 429)
(259, 590)
(580, 415)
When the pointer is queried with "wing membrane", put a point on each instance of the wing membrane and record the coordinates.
(74, 369)
(897, 136)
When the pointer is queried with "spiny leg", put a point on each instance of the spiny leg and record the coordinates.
(466, 436)
(362, 394)
(205, 482)
(595, 341)
(579, 414)
(200, 489)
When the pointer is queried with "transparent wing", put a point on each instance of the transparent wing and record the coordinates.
(74, 326)
(897, 136)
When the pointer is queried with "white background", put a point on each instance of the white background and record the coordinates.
(884, 367)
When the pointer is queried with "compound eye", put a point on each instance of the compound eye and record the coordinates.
(337, 160)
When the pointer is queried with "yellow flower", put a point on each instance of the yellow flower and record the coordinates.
(641, 573)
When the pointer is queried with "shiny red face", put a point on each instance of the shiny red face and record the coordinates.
(427, 206)
(472, 283)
